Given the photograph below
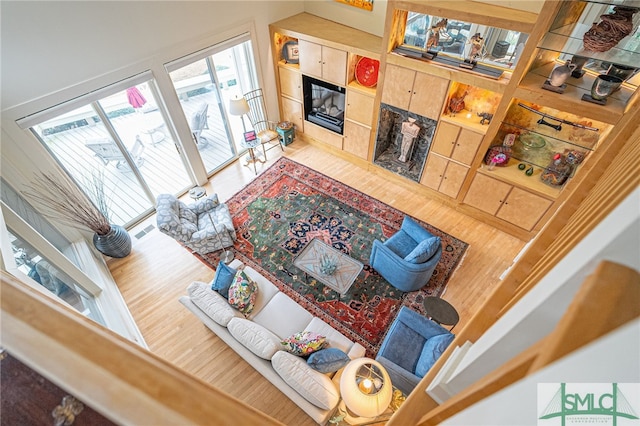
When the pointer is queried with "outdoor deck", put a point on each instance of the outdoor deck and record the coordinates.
(156, 156)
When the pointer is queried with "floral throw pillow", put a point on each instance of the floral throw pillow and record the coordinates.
(243, 293)
(303, 343)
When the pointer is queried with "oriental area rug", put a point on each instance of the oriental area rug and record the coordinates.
(288, 205)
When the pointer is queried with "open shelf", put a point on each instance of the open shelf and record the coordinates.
(513, 175)
(568, 39)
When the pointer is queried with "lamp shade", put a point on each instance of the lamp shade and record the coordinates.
(238, 106)
(365, 387)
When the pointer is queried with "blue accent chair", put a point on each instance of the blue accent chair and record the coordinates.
(407, 259)
(411, 347)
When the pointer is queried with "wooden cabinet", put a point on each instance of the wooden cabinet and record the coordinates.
(421, 93)
(323, 135)
(356, 139)
(323, 62)
(290, 83)
(512, 204)
(359, 107)
(293, 111)
(443, 175)
(457, 143)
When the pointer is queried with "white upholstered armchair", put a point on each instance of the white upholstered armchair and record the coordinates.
(204, 226)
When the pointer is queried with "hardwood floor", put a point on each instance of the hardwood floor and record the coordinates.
(158, 271)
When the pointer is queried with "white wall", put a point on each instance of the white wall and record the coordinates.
(364, 20)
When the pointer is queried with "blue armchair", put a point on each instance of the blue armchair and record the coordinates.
(411, 347)
(407, 259)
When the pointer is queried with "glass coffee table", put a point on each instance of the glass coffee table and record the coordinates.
(347, 269)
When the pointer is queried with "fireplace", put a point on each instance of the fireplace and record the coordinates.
(323, 103)
(396, 126)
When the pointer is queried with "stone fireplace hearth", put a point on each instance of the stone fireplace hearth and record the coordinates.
(389, 142)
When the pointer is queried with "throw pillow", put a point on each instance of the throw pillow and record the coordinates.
(328, 360)
(303, 343)
(424, 251)
(433, 348)
(243, 293)
(223, 279)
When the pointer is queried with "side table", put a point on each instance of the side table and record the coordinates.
(441, 311)
(197, 192)
(286, 131)
(254, 156)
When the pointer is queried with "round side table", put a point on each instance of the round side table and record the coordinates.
(254, 156)
(197, 192)
(441, 311)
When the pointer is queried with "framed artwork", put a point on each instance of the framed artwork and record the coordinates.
(290, 52)
(361, 4)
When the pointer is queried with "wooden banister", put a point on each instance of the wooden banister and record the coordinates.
(114, 376)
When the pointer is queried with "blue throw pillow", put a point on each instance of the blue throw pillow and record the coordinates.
(433, 348)
(328, 360)
(223, 279)
(424, 251)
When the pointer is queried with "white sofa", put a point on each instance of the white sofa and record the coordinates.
(257, 339)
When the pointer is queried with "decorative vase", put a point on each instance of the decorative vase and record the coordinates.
(604, 85)
(115, 243)
(621, 71)
(612, 28)
(560, 74)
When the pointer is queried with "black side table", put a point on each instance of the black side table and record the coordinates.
(441, 311)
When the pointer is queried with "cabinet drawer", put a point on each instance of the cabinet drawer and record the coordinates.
(322, 135)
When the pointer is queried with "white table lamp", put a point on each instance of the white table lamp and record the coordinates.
(239, 107)
(365, 387)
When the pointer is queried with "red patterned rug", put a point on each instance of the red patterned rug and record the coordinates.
(288, 205)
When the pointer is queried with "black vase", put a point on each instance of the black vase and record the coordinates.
(115, 243)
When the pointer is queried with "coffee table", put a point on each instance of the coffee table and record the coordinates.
(346, 272)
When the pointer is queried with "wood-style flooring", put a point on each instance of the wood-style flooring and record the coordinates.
(158, 271)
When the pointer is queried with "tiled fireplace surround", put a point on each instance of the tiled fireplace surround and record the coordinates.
(389, 141)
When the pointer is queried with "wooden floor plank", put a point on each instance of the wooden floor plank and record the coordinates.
(158, 271)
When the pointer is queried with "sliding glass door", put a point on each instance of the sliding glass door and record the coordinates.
(204, 83)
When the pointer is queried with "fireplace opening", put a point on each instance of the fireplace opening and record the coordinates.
(323, 103)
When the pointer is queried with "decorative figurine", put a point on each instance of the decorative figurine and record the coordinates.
(558, 76)
(486, 117)
(557, 172)
(409, 132)
(477, 43)
(456, 104)
(434, 33)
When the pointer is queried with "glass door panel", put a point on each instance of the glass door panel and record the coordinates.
(82, 144)
(31, 263)
(139, 124)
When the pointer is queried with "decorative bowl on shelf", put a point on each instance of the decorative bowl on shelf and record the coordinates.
(367, 72)
(532, 141)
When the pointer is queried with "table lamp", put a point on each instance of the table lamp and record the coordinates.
(239, 107)
(365, 387)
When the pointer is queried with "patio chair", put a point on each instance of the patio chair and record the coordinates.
(107, 150)
(265, 129)
(199, 122)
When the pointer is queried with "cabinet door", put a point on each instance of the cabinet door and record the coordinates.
(428, 95)
(292, 111)
(434, 171)
(466, 146)
(359, 107)
(398, 83)
(290, 83)
(334, 65)
(453, 179)
(356, 139)
(445, 139)
(487, 194)
(310, 58)
(523, 208)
